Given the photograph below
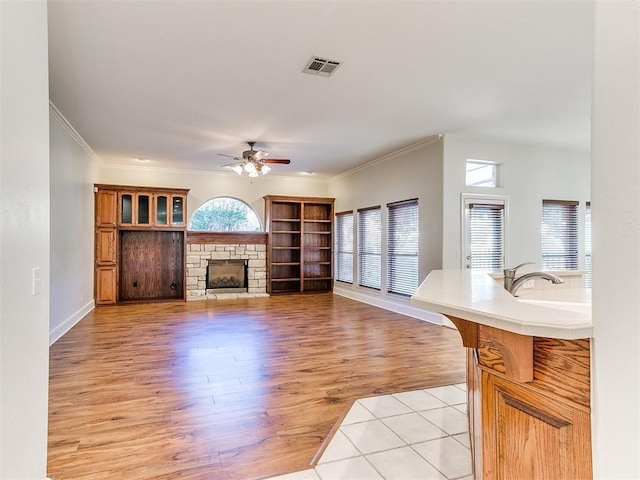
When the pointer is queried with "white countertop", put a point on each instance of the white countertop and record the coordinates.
(477, 297)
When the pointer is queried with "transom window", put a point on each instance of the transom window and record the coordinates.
(482, 173)
(225, 214)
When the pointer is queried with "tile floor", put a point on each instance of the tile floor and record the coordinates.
(412, 435)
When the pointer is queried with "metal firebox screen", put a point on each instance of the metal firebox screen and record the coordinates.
(227, 275)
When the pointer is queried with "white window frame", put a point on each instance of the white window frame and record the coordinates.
(572, 203)
(497, 172)
(248, 208)
(363, 282)
(338, 247)
(588, 256)
(399, 286)
(466, 199)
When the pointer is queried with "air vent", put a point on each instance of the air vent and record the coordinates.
(321, 66)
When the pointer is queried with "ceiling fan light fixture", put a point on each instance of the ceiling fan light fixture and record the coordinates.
(253, 162)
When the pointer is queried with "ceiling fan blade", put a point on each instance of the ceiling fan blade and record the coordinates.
(259, 154)
(230, 156)
(231, 165)
(282, 161)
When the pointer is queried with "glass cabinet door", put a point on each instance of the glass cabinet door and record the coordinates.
(143, 209)
(162, 212)
(126, 208)
(177, 210)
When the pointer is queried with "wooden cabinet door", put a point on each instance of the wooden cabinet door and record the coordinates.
(144, 214)
(106, 209)
(161, 210)
(151, 265)
(127, 208)
(178, 210)
(106, 285)
(529, 435)
(106, 246)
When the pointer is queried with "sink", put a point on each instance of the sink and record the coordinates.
(569, 306)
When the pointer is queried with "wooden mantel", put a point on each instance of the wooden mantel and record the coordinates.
(221, 238)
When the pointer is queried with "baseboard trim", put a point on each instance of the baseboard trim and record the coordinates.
(58, 332)
(391, 305)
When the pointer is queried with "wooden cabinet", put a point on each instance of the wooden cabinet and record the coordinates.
(105, 246)
(527, 423)
(106, 208)
(106, 285)
(147, 208)
(530, 435)
(300, 247)
(105, 282)
(130, 265)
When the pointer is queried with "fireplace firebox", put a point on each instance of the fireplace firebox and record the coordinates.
(227, 276)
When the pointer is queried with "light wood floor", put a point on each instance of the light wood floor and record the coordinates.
(233, 389)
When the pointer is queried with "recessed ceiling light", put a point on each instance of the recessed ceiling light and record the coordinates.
(307, 173)
(143, 160)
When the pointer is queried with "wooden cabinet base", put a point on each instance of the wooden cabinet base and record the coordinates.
(106, 279)
(531, 436)
(528, 430)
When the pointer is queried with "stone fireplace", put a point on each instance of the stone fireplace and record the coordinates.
(242, 256)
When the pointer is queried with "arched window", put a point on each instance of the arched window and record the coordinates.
(225, 214)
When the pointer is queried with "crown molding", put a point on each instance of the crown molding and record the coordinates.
(403, 151)
(74, 133)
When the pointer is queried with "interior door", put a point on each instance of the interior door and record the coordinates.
(152, 265)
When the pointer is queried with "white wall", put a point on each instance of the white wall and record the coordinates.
(24, 239)
(74, 170)
(616, 241)
(414, 172)
(206, 185)
(531, 173)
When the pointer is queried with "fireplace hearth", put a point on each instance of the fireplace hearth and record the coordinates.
(227, 276)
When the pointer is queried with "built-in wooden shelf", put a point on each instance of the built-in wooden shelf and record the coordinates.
(299, 250)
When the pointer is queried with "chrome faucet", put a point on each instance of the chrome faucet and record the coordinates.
(512, 284)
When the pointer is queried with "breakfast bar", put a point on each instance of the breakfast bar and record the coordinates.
(528, 372)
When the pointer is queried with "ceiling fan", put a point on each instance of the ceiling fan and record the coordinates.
(253, 162)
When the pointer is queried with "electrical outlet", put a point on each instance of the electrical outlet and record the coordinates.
(529, 284)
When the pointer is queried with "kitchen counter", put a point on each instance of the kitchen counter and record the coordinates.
(528, 372)
(476, 297)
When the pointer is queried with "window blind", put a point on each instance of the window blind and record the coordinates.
(559, 235)
(369, 247)
(402, 253)
(485, 235)
(344, 247)
(587, 246)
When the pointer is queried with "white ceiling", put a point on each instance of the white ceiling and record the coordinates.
(177, 82)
